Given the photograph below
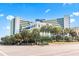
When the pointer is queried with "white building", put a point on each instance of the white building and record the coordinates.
(17, 25)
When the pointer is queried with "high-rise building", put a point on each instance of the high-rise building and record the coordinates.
(17, 25)
(66, 21)
(61, 22)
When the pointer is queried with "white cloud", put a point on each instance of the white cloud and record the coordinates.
(46, 11)
(8, 28)
(66, 4)
(9, 17)
(72, 20)
(1, 14)
(71, 15)
(76, 13)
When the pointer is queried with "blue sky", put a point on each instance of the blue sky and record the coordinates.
(32, 11)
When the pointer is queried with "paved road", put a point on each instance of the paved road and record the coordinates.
(49, 50)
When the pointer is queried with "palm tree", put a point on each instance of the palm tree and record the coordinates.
(18, 38)
(46, 28)
(12, 39)
(24, 35)
(66, 31)
(5, 39)
(9, 40)
(35, 35)
(73, 34)
(57, 31)
(43, 29)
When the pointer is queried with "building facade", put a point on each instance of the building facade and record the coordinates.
(60, 22)
(17, 25)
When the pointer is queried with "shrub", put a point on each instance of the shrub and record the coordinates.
(53, 37)
(59, 38)
(8, 40)
(68, 39)
(45, 39)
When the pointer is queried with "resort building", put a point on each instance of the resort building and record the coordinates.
(61, 22)
(17, 25)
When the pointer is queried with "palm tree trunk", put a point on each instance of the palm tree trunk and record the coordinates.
(27, 42)
(35, 41)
